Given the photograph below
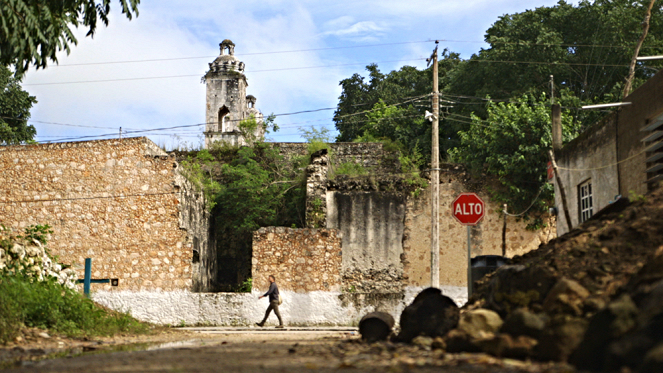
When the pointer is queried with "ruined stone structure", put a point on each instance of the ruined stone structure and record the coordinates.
(227, 102)
(385, 230)
(122, 203)
(304, 259)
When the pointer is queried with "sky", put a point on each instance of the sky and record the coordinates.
(145, 74)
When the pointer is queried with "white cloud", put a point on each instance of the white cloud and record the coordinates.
(175, 29)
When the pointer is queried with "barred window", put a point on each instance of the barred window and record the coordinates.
(585, 200)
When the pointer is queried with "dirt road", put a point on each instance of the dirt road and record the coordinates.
(277, 351)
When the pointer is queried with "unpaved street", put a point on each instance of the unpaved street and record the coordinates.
(267, 350)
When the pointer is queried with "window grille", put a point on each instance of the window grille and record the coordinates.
(586, 200)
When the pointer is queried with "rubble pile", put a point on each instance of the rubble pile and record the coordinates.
(593, 298)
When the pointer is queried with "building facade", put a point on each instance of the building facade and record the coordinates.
(618, 156)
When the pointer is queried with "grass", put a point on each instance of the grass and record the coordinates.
(49, 305)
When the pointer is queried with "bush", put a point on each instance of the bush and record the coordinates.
(49, 305)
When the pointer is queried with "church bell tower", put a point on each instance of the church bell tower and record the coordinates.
(227, 102)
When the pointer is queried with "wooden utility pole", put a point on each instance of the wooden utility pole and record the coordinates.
(631, 68)
(556, 117)
(435, 181)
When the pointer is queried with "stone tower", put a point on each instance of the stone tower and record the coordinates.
(227, 102)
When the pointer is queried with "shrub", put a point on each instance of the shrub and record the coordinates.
(49, 305)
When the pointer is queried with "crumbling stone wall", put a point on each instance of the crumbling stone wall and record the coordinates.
(120, 202)
(302, 260)
(371, 155)
(486, 238)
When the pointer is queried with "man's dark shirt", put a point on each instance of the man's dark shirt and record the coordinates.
(273, 292)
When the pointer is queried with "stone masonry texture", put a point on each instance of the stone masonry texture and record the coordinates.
(115, 201)
(302, 260)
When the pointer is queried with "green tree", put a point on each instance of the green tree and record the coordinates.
(511, 146)
(586, 47)
(400, 97)
(33, 31)
(15, 104)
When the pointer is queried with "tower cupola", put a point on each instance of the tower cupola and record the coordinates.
(227, 102)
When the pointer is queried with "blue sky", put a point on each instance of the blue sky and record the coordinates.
(322, 43)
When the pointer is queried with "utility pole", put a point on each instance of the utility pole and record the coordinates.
(435, 180)
(552, 90)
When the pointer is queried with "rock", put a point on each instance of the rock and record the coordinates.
(630, 350)
(478, 322)
(423, 342)
(439, 344)
(608, 324)
(44, 335)
(459, 341)
(567, 296)
(653, 360)
(522, 322)
(431, 314)
(503, 345)
(515, 286)
(560, 338)
(376, 326)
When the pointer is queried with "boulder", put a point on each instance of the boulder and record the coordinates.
(459, 341)
(516, 286)
(563, 334)
(423, 342)
(608, 324)
(567, 296)
(479, 322)
(430, 314)
(523, 322)
(504, 345)
(376, 326)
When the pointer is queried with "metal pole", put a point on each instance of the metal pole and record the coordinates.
(469, 263)
(88, 277)
(435, 182)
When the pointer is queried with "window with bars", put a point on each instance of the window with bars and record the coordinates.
(585, 200)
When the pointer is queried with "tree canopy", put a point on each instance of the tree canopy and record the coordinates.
(15, 105)
(586, 48)
(33, 31)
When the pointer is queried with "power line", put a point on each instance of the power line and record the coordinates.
(198, 75)
(349, 47)
(243, 54)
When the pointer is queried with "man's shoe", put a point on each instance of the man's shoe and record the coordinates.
(260, 324)
(280, 327)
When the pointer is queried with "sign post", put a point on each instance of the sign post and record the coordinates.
(468, 209)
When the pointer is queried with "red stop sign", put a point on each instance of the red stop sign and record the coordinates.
(468, 209)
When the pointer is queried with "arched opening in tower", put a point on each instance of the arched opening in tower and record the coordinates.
(223, 119)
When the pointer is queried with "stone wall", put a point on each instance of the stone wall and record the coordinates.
(372, 227)
(120, 202)
(371, 156)
(486, 237)
(302, 260)
(321, 308)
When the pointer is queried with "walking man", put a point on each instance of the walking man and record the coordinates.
(273, 294)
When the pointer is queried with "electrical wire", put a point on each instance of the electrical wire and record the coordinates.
(198, 75)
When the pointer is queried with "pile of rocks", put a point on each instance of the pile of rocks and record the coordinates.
(593, 298)
(30, 257)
